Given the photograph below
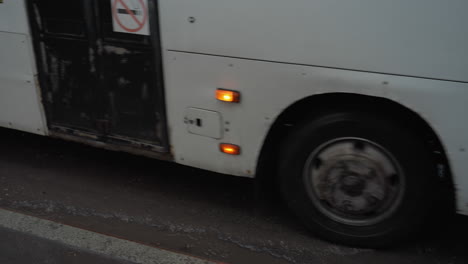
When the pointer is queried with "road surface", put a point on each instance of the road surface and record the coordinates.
(173, 207)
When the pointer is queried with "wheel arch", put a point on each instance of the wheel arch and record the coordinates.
(300, 111)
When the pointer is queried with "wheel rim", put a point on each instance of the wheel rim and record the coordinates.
(354, 181)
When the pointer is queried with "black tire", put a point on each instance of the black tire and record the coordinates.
(409, 153)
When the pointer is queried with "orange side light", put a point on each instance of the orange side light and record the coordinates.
(228, 96)
(229, 149)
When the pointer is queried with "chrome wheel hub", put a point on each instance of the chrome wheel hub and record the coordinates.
(354, 181)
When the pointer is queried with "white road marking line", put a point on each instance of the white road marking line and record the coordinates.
(94, 242)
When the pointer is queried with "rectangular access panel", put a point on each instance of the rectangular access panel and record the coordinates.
(95, 80)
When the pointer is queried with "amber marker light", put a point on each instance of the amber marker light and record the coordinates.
(228, 96)
(229, 149)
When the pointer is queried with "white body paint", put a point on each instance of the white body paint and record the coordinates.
(277, 53)
(20, 104)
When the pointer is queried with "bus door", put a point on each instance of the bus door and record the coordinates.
(100, 75)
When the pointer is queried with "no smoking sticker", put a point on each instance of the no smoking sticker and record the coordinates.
(130, 16)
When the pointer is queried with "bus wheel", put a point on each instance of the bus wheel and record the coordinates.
(356, 178)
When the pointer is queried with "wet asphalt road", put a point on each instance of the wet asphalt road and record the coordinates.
(175, 207)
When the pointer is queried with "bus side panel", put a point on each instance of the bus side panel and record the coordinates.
(13, 17)
(425, 38)
(20, 106)
(267, 89)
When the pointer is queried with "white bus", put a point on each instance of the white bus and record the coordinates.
(355, 108)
